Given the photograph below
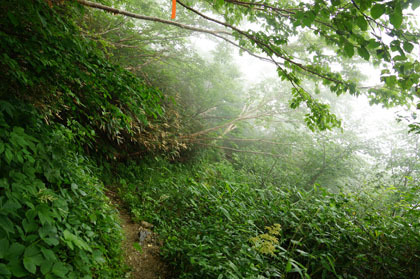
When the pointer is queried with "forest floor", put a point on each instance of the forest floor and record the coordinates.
(144, 259)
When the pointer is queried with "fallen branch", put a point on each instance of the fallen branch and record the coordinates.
(244, 140)
(238, 119)
(242, 151)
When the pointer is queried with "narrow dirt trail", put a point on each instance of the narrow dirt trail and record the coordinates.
(143, 259)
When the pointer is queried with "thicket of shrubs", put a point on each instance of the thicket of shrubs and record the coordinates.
(59, 97)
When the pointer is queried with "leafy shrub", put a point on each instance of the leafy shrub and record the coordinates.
(47, 62)
(217, 223)
(55, 219)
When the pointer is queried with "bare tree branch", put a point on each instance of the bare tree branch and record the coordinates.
(150, 18)
(246, 140)
(192, 28)
(243, 151)
(263, 45)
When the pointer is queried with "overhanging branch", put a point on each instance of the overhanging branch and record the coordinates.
(150, 18)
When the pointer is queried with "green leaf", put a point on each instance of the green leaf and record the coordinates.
(74, 186)
(31, 251)
(29, 225)
(219, 4)
(42, 19)
(12, 19)
(51, 241)
(308, 18)
(67, 235)
(373, 44)
(31, 214)
(60, 269)
(349, 49)
(288, 266)
(74, 239)
(32, 257)
(46, 266)
(396, 18)
(8, 155)
(362, 23)
(335, 2)
(400, 58)
(4, 247)
(377, 10)
(363, 52)
(4, 271)
(29, 264)
(48, 254)
(17, 269)
(10, 207)
(45, 216)
(226, 213)
(47, 230)
(15, 250)
(391, 80)
(408, 46)
(99, 258)
(81, 244)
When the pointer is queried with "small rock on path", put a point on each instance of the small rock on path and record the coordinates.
(147, 263)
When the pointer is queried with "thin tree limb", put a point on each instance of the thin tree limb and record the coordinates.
(150, 18)
(262, 45)
(245, 140)
(243, 151)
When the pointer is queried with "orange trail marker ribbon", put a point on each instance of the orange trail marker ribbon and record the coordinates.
(173, 9)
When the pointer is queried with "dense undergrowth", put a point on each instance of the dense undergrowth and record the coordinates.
(218, 223)
(63, 108)
(49, 64)
(55, 219)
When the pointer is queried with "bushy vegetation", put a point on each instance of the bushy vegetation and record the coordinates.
(218, 223)
(55, 219)
(48, 63)
(60, 101)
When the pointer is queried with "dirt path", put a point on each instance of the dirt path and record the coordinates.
(143, 258)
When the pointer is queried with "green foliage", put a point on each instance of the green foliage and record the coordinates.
(252, 219)
(47, 62)
(59, 96)
(55, 219)
(217, 223)
(345, 27)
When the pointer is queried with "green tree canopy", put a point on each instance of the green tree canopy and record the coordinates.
(383, 33)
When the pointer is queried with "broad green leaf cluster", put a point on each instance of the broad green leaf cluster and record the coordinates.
(46, 61)
(61, 101)
(55, 219)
